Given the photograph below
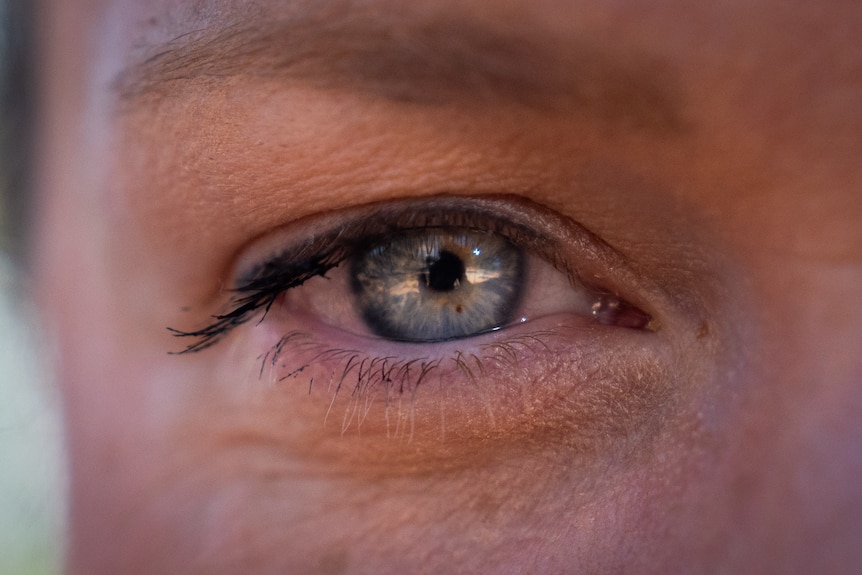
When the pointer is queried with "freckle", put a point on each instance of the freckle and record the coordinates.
(703, 331)
(458, 309)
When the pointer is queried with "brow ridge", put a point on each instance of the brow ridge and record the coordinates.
(427, 62)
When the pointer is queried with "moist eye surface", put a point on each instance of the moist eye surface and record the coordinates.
(437, 284)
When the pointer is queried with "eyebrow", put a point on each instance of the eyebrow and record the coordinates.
(431, 61)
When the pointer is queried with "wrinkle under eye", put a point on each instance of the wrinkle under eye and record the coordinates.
(437, 284)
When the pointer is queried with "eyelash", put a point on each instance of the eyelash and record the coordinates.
(361, 377)
(259, 294)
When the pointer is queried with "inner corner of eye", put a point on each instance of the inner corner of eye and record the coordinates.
(614, 311)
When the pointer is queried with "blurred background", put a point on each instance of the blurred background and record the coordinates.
(32, 474)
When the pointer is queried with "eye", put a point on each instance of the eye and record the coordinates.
(437, 284)
(481, 305)
(439, 270)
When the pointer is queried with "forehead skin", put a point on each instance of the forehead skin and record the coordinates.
(715, 145)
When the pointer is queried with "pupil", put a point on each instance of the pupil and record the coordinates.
(444, 274)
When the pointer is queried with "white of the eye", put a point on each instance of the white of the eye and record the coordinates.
(548, 290)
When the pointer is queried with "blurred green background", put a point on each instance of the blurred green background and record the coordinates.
(32, 476)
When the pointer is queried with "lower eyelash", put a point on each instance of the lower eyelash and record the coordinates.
(364, 380)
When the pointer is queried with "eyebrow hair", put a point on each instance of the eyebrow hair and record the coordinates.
(431, 61)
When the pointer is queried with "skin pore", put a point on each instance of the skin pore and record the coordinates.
(698, 162)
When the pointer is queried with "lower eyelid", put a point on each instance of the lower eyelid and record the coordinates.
(420, 408)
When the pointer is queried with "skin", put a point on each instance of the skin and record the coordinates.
(713, 149)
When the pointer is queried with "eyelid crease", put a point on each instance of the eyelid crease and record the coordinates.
(260, 279)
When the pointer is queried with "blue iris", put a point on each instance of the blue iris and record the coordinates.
(438, 284)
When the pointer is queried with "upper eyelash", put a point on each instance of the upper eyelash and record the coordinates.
(261, 293)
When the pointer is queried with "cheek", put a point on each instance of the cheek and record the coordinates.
(202, 460)
(198, 461)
